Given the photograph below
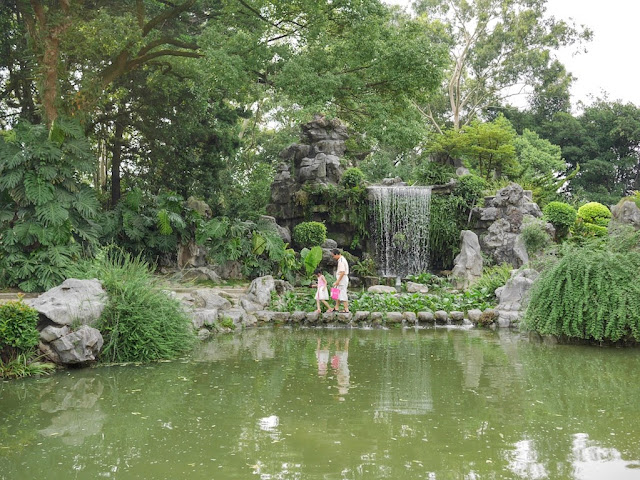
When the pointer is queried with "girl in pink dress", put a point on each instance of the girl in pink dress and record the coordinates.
(322, 295)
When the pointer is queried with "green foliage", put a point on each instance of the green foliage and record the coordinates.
(492, 278)
(311, 259)
(257, 246)
(309, 234)
(151, 226)
(47, 210)
(434, 173)
(534, 235)
(449, 215)
(141, 322)
(591, 293)
(591, 221)
(596, 213)
(352, 177)
(18, 339)
(562, 216)
(365, 268)
(23, 365)
(18, 326)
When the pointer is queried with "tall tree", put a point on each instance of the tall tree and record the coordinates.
(496, 46)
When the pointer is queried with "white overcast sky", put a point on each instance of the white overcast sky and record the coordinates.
(611, 64)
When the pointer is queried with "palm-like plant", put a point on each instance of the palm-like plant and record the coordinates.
(47, 207)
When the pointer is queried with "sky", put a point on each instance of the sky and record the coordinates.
(611, 63)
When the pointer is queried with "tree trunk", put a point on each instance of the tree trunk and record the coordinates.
(116, 160)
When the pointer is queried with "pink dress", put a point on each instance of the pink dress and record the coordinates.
(321, 293)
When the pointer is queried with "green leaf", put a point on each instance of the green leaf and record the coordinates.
(37, 189)
(163, 222)
(52, 213)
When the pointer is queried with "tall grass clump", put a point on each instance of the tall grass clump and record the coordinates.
(590, 293)
(141, 322)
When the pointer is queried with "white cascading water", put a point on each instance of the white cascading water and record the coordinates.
(400, 229)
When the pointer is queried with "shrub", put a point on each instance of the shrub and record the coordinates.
(434, 173)
(492, 278)
(352, 177)
(590, 293)
(309, 234)
(595, 213)
(562, 216)
(140, 322)
(18, 333)
(535, 236)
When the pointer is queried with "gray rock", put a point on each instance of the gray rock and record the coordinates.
(203, 334)
(361, 316)
(426, 317)
(206, 298)
(199, 274)
(298, 317)
(413, 287)
(203, 317)
(626, 213)
(456, 316)
(410, 317)
(394, 317)
(381, 289)
(75, 348)
(442, 317)
(513, 296)
(72, 302)
(468, 263)
(51, 333)
(474, 315)
(329, 244)
(259, 292)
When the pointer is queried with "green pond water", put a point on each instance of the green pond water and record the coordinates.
(335, 404)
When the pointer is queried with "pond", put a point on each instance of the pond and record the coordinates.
(335, 404)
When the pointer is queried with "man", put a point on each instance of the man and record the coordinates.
(342, 280)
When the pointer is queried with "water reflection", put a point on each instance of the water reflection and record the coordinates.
(76, 413)
(335, 404)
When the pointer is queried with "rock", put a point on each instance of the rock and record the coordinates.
(410, 317)
(203, 317)
(488, 317)
(468, 263)
(330, 244)
(258, 294)
(206, 298)
(499, 224)
(474, 315)
(381, 289)
(72, 302)
(283, 232)
(442, 317)
(298, 316)
(75, 348)
(513, 297)
(394, 317)
(456, 316)
(265, 316)
(199, 274)
(626, 213)
(413, 287)
(426, 317)
(203, 334)
(51, 333)
(361, 316)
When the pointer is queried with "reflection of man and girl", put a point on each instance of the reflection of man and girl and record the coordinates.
(338, 361)
(341, 283)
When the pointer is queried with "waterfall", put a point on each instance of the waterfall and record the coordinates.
(400, 229)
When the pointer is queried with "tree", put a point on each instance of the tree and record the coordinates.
(497, 46)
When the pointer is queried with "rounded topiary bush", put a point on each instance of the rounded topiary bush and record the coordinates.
(352, 177)
(309, 234)
(562, 216)
(596, 213)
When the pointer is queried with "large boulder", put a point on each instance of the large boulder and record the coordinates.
(71, 347)
(468, 263)
(626, 213)
(499, 223)
(72, 302)
(513, 297)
